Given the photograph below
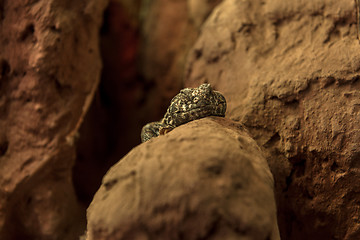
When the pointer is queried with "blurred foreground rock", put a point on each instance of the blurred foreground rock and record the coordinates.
(204, 180)
(49, 70)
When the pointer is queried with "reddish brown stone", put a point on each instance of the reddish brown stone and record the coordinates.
(49, 70)
(290, 73)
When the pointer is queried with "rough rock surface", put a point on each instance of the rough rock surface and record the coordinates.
(206, 179)
(49, 69)
(290, 73)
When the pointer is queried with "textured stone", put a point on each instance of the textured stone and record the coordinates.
(49, 70)
(206, 179)
(290, 73)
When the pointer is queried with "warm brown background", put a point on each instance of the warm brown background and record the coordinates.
(78, 79)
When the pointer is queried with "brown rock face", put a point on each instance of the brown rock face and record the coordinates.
(49, 69)
(206, 179)
(290, 73)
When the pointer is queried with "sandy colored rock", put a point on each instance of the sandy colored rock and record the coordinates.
(290, 73)
(199, 10)
(49, 69)
(206, 179)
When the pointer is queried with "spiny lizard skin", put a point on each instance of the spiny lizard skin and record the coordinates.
(190, 104)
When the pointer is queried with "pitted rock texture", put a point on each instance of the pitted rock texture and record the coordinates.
(49, 69)
(290, 73)
(206, 179)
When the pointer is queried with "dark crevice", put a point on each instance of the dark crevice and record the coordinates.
(289, 180)
(328, 81)
(105, 28)
(246, 28)
(280, 21)
(334, 30)
(298, 170)
(113, 122)
(355, 79)
(213, 228)
(292, 103)
(27, 33)
(29, 200)
(308, 195)
(334, 166)
(4, 145)
(215, 169)
(108, 185)
(2, 15)
(55, 29)
(213, 59)
(198, 53)
(64, 90)
(27, 163)
(4, 68)
(273, 140)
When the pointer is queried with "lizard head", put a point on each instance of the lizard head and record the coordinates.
(194, 103)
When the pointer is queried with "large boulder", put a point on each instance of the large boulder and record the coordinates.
(206, 179)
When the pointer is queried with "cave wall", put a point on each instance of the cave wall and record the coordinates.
(290, 73)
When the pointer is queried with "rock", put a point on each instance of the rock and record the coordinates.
(199, 10)
(290, 73)
(206, 179)
(50, 67)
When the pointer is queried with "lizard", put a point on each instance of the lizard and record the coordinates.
(188, 105)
